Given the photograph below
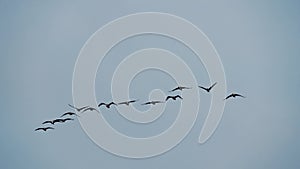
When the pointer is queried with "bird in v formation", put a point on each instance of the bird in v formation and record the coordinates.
(180, 88)
(108, 105)
(174, 97)
(127, 103)
(233, 95)
(44, 128)
(209, 88)
(69, 113)
(152, 102)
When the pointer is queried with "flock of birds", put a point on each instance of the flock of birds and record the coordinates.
(70, 114)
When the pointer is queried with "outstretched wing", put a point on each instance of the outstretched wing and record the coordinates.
(178, 97)
(49, 128)
(101, 104)
(78, 109)
(212, 85)
(155, 102)
(168, 97)
(240, 95)
(48, 121)
(228, 96)
(67, 119)
(37, 129)
(122, 103)
(203, 88)
(186, 87)
(173, 90)
(146, 103)
(132, 101)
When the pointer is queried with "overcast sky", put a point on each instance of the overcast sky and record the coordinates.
(258, 43)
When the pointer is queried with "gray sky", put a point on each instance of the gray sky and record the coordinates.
(258, 43)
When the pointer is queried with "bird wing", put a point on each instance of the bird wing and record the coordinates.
(168, 97)
(87, 109)
(240, 95)
(94, 109)
(38, 129)
(112, 103)
(203, 88)
(48, 121)
(178, 97)
(177, 88)
(64, 114)
(67, 119)
(132, 101)
(82, 108)
(57, 121)
(78, 109)
(213, 85)
(228, 97)
(101, 104)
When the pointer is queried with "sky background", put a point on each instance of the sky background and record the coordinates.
(259, 45)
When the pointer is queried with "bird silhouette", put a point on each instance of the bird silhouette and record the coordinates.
(234, 95)
(180, 88)
(52, 121)
(173, 97)
(49, 121)
(78, 109)
(107, 105)
(69, 113)
(90, 109)
(44, 128)
(208, 89)
(127, 102)
(152, 102)
(64, 120)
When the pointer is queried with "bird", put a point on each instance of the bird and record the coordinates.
(107, 105)
(44, 128)
(180, 88)
(152, 102)
(64, 120)
(52, 121)
(49, 121)
(90, 109)
(173, 97)
(234, 95)
(208, 89)
(128, 102)
(69, 113)
(78, 109)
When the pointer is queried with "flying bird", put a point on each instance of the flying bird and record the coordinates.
(180, 88)
(152, 102)
(44, 128)
(49, 121)
(208, 89)
(128, 102)
(234, 95)
(90, 109)
(78, 109)
(69, 113)
(173, 97)
(64, 120)
(52, 121)
(107, 105)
